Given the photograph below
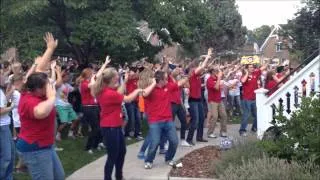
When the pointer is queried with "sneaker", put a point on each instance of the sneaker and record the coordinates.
(185, 143)
(101, 145)
(244, 134)
(140, 155)
(223, 134)
(58, 136)
(70, 134)
(202, 140)
(139, 138)
(162, 151)
(191, 143)
(253, 130)
(148, 165)
(58, 149)
(99, 148)
(90, 151)
(129, 138)
(171, 163)
(212, 135)
(140, 133)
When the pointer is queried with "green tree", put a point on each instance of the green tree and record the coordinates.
(260, 34)
(305, 28)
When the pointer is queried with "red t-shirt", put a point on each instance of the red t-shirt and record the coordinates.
(40, 131)
(158, 105)
(86, 97)
(214, 95)
(270, 85)
(175, 94)
(251, 85)
(195, 86)
(110, 103)
(131, 85)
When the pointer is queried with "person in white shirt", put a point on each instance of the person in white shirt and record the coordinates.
(6, 141)
(64, 109)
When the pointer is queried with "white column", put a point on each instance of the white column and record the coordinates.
(263, 116)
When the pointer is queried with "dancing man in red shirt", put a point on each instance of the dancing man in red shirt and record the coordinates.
(249, 84)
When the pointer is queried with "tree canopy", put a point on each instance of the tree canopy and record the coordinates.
(88, 30)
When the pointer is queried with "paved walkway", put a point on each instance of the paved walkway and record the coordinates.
(134, 168)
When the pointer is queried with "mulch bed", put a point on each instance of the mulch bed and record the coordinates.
(198, 163)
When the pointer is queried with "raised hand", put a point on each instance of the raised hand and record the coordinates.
(50, 91)
(51, 42)
(210, 50)
(53, 64)
(108, 60)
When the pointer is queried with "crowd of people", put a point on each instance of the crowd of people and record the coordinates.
(43, 100)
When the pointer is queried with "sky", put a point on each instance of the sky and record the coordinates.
(256, 13)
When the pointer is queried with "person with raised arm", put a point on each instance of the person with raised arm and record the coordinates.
(158, 110)
(44, 61)
(110, 97)
(90, 106)
(36, 141)
(249, 82)
(196, 107)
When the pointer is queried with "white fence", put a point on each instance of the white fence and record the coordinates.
(302, 83)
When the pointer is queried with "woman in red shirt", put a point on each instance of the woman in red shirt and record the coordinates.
(90, 110)
(110, 97)
(36, 138)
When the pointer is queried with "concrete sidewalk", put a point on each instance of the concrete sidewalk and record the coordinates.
(134, 168)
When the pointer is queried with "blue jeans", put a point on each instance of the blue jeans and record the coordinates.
(43, 164)
(197, 120)
(6, 153)
(168, 130)
(116, 148)
(147, 142)
(248, 107)
(177, 109)
(133, 119)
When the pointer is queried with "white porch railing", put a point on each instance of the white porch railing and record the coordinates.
(302, 83)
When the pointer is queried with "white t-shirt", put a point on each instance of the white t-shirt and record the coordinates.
(15, 115)
(4, 118)
(62, 95)
(235, 89)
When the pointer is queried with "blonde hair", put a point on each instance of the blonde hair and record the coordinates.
(104, 80)
(85, 74)
(145, 78)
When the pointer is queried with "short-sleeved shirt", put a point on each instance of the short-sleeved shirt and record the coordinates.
(214, 95)
(195, 86)
(251, 85)
(175, 94)
(110, 102)
(4, 118)
(62, 95)
(158, 105)
(86, 97)
(33, 130)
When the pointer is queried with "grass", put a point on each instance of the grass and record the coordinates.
(73, 157)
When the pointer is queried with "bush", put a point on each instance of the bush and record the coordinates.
(266, 168)
(299, 135)
(239, 154)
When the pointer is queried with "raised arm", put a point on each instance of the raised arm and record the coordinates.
(99, 73)
(43, 109)
(46, 57)
(149, 89)
(122, 88)
(59, 76)
(204, 64)
(245, 77)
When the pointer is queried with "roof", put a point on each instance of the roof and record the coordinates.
(273, 33)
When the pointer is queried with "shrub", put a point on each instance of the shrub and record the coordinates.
(267, 168)
(299, 135)
(239, 154)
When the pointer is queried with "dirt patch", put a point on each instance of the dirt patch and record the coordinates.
(198, 163)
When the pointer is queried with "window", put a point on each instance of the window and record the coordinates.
(278, 46)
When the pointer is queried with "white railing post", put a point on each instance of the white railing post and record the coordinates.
(264, 117)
